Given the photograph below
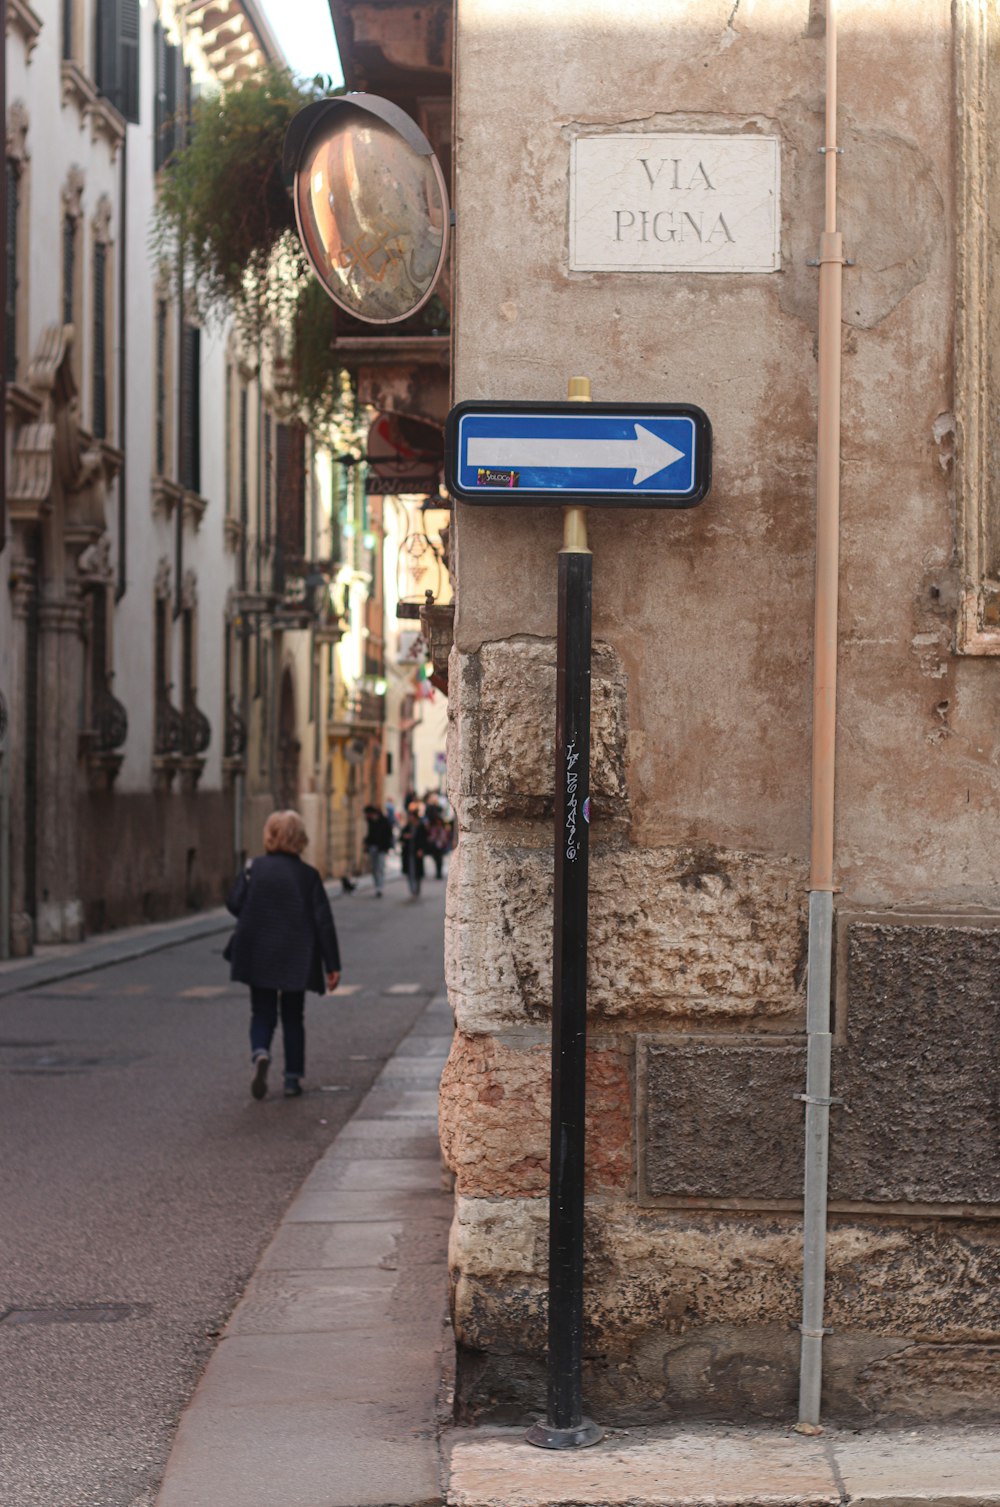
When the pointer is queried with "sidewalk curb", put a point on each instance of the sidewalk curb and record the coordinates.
(101, 952)
(106, 949)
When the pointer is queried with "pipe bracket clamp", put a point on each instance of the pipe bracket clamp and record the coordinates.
(814, 1334)
(817, 1099)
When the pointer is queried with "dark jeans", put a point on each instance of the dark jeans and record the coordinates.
(414, 868)
(264, 1018)
(377, 859)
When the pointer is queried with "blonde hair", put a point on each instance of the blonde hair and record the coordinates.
(285, 832)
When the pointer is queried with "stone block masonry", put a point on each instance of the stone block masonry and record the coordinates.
(702, 694)
(694, 1129)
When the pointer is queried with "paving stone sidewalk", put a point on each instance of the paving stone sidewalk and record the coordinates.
(324, 1390)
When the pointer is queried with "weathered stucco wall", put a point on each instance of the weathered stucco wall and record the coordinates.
(702, 708)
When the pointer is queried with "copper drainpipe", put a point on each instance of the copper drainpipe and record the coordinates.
(821, 881)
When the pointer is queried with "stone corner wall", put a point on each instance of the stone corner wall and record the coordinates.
(694, 1128)
(702, 697)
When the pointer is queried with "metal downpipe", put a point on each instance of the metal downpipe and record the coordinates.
(821, 885)
(817, 1145)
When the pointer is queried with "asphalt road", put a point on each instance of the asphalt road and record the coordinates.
(139, 1183)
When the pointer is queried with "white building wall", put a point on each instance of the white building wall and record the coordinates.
(156, 832)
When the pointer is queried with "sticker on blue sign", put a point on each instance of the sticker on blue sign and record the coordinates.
(602, 454)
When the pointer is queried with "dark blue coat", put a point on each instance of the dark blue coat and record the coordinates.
(285, 937)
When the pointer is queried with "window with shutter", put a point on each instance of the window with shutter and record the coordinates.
(128, 53)
(244, 488)
(188, 688)
(167, 69)
(98, 646)
(66, 19)
(160, 674)
(69, 269)
(191, 409)
(268, 461)
(10, 311)
(106, 49)
(159, 92)
(244, 500)
(161, 386)
(117, 55)
(100, 367)
(291, 489)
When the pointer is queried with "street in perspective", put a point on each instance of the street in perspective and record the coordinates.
(500, 754)
(148, 1182)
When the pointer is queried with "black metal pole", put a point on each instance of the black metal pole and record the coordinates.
(5, 375)
(566, 1427)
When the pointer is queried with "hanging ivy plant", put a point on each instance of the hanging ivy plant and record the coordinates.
(225, 215)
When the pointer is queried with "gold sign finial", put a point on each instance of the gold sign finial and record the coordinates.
(579, 390)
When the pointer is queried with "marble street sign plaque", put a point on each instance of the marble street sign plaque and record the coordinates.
(673, 203)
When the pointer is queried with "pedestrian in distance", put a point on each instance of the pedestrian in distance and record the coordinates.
(412, 847)
(438, 836)
(285, 942)
(379, 840)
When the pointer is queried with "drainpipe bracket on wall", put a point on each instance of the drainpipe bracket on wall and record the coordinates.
(815, 1099)
(831, 249)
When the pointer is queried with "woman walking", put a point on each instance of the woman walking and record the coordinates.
(412, 847)
(285, 942)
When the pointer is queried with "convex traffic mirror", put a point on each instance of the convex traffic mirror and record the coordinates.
(370, 204)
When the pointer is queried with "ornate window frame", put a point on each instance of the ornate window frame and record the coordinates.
(19, 159)
(102, 320)
(73, 298)
(977, 328)
(26, 22)
(164, 381)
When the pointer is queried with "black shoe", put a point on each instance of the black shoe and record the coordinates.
(258, 1083)
(348, 885)
(293, 1086)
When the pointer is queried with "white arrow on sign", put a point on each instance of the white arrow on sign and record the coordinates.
(646, 453)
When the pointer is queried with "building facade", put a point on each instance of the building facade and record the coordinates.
(118, 557)
(193, 593)
(648, 211)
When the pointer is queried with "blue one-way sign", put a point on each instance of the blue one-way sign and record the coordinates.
(605, 454)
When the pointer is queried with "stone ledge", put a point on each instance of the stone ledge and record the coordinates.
(726, 1467)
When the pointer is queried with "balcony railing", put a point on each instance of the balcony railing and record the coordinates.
(196, 730)
(236, 733)
(358, 710)
(169, 733)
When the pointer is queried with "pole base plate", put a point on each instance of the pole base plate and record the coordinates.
(547, 1436)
